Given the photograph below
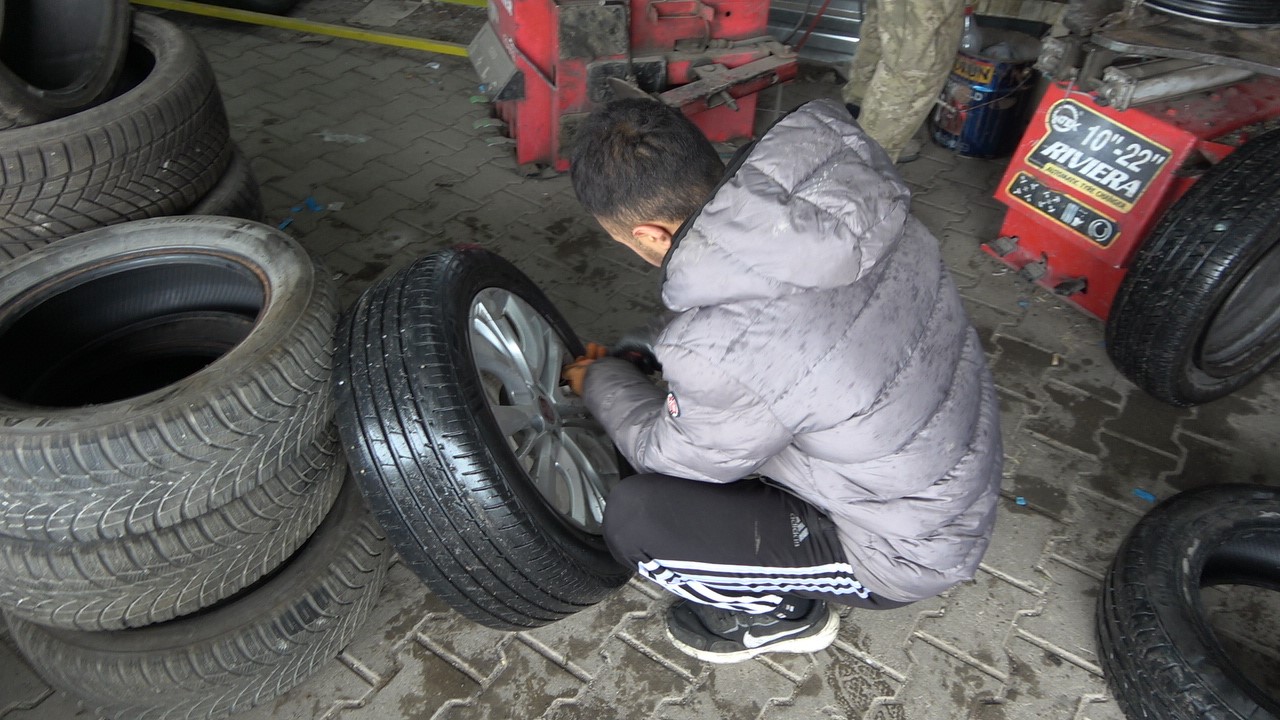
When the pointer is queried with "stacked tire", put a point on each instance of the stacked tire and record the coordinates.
(177, 538)
(131, 128)
(177, 534)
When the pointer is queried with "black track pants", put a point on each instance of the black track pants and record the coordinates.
(745, 546)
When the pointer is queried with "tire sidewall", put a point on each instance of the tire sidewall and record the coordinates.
(1166, 555)
(175, 54)
(28, 104)
(284, 268)
(1194, 383)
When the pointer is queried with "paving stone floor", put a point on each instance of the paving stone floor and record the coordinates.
(384, 139)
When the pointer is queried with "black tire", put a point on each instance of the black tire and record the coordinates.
(1158, 650)
(242, 653)
(429, 456)
(140, 580)
(59, 57)
(109, 424)
(235, 195)
(1198, 314)
(154, 149)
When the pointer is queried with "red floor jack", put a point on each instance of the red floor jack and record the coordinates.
(546, 64)
(1139, 113)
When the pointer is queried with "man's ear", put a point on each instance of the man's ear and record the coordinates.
(652, 242)
(650, 234)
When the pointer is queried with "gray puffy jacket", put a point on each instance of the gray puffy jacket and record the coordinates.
(819, 340)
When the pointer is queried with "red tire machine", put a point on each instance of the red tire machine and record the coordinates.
(546, 64)
(1138, 110)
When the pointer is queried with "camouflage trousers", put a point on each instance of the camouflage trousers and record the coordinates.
(906, 50)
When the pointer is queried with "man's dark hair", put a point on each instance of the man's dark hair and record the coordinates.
(636, 161)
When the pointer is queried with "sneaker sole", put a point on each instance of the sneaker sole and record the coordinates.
(812, 643)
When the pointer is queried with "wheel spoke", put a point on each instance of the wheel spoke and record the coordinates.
(589, 485)
(513, 418)
(544, 464)
(540, 346)
(527, 446)
(499, 335)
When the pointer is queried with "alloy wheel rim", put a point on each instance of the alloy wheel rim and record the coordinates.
(564, 453)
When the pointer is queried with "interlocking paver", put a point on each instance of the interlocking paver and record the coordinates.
(978, 620)
(1016, 551)
(425, 683)
(842, 686)
(1045, 478)
(1209, 463)
(633, 684)
(882, 638)
(526, 680)
(579, 640)
(1070, 418)
(1043, 685)
(943, 686)
(1098, 525)
(1063, 624)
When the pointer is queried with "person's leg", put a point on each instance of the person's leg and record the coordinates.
(754, 564)
(866, 58)
(919, 41)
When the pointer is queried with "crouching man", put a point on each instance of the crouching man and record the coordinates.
(829, 432)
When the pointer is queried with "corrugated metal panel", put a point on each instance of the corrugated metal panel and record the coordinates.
(835, 38)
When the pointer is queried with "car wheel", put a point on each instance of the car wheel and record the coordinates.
(488, 476)
(1198, 314)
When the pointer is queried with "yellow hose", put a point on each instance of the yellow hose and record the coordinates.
(317, 28)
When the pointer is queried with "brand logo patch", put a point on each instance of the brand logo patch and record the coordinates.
(755, 641)
(673, 407)
(799, 531)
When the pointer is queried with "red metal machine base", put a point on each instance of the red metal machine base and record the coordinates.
(1088, 184)
(547, 63)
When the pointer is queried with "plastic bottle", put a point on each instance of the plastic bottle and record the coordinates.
(971, 38)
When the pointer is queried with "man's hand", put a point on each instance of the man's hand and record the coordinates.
(575, 373)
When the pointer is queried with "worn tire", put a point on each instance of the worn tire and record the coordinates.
(235, 195)
(140, 580)
(59, 57)
(1198, 314)
(106, 427)
(154, 149)
(430, 458)
(1157, 647)
(230, 658)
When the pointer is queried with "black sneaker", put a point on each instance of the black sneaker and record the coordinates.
(722, 636)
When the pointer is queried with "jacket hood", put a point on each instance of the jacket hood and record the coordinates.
(815, 205)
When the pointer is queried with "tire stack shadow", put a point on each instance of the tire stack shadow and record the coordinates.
(177, 535)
